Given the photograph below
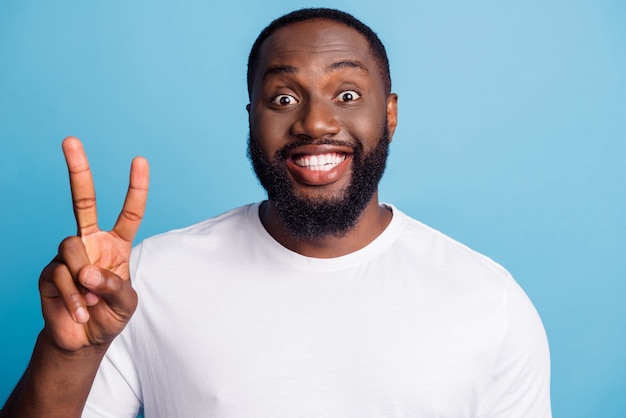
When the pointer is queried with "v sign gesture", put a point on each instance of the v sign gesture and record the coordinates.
(86, 296)
(85, 292)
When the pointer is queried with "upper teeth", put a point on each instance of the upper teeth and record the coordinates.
(321, 162)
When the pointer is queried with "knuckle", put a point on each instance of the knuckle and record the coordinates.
(138, 188)
(85, 203)
(113, 284)
(132, 216)
(69, 244)
(87, 228)
(73, 299)
(48, 271)
(53, 272)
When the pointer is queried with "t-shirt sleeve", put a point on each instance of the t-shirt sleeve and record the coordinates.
(111, 395)
(520, 381)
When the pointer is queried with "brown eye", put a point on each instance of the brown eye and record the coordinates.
(284, 100)
(348, 96)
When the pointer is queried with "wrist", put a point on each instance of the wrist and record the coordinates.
(47, 343)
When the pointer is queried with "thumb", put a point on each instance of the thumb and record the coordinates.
(118, 293)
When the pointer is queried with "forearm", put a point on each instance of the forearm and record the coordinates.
(56, 382)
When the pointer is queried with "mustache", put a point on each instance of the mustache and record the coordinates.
(282, 153)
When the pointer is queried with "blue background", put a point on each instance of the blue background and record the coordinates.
(512, 139)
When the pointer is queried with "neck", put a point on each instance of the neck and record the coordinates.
(370, 225)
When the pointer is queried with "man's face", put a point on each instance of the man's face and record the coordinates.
(320, 124)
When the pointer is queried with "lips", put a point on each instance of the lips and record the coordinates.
(318, 165)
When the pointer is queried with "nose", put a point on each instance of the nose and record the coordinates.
(317, 119)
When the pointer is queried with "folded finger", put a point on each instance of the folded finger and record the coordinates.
(73, 254)
(56, 282)
(116, 292)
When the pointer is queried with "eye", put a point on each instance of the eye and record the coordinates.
(348, 96)
(284, 100)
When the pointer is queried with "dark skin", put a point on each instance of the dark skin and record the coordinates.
(315, 79)
(86, 297)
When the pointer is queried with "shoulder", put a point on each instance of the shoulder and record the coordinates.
(431, 247)
(225, 222)
(471, 276)
(232, 217)
(214, 235)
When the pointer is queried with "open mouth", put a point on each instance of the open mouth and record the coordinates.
(319, 162)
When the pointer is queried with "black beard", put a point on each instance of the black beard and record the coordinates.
(307, 218)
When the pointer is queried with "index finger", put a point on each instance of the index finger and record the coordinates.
(81, 186)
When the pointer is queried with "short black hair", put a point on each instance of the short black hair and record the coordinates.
(376, 46)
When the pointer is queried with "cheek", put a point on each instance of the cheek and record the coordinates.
(367, 129)
(269, 130)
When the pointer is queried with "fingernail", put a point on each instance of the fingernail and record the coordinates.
(81, 315)
(93, 277)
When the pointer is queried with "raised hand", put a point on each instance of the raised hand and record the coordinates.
(86, 296)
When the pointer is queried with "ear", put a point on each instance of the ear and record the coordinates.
(248, 108)
(392, 114)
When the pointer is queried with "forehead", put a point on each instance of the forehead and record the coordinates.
(314, 43)
(314, 34)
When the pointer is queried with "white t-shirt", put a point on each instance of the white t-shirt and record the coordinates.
(231, 324)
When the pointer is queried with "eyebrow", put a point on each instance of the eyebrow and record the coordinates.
(279, 69)
(335, 66)
(348, 64)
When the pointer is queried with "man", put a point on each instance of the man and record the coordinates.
(319, 302)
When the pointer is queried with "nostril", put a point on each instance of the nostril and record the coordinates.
(316, 120)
